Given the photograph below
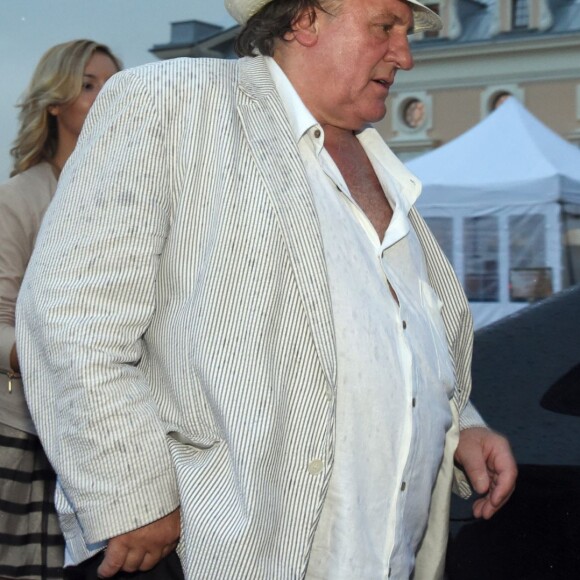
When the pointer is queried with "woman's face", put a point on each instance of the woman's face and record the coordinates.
(70, 118)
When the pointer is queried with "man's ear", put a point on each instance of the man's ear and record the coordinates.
(304, 28)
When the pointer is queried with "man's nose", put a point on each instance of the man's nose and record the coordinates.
(400, 53)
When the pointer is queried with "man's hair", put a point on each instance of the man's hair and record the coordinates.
(272, 22)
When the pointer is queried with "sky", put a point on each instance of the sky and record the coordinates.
(130, 27)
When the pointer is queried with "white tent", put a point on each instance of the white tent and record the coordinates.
(504, 201)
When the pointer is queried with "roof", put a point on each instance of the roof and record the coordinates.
(509, 158)
(478, 21)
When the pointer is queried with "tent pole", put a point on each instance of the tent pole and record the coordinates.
(567, 248)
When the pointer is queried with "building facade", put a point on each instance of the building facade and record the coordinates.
(487, 49)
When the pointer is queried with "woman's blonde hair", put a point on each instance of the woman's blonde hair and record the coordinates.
(57, 80)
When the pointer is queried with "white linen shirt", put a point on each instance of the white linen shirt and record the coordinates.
(395, 375)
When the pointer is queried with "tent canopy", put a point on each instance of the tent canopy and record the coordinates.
(508, 159)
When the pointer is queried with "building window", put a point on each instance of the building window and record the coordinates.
(411, 121)
(493, 96)
(414, 113)
(498, 99)
(520, 14)
(442, 229)
(481, 255)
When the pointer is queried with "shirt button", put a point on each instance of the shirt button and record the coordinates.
(414, 402)
(315, 467)
(329, 393)
(317, 133)
(403, 486)
(404, 325)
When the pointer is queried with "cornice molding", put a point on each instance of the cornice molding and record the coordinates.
(479, 64)
(501, 45)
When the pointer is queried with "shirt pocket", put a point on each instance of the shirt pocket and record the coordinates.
(433, 307)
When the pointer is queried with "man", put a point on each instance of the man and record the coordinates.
(236, 322)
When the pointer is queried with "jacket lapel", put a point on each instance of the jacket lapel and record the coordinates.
(455, 313)
(276, 156)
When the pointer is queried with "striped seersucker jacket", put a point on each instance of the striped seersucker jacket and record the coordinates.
(175, 324)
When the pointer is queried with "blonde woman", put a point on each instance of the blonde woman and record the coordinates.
(64, 86)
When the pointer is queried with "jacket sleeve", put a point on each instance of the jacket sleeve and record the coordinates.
(85, 304)
(15, 251)
(10, 276)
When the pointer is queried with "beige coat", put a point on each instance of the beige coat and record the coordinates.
(23, 201)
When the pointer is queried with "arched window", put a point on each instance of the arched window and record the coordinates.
(498, 99)
(414, 113)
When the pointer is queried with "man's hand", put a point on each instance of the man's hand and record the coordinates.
(487, 460)
(141, 549)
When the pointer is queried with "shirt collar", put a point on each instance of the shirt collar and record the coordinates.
(384, 161)
(389, 167)
(299, 117)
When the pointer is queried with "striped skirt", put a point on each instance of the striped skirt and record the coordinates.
(31, 545)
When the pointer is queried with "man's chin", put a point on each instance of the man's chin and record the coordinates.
(379, 115)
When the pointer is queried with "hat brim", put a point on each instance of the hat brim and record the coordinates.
(424, 18)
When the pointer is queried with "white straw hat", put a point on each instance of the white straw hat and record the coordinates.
(243, 10)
